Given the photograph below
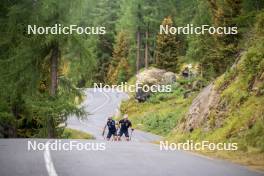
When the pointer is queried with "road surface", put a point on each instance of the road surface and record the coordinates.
(138, 157)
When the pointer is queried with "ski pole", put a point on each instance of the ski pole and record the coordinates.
(131, 134)
(103, 134)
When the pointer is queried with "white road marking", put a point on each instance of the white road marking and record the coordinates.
(48, 161)
(47, 156)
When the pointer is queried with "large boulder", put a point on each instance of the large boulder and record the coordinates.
(150, 76)
(153, 76)
(156, 76)
(168, 78)
(199, 111)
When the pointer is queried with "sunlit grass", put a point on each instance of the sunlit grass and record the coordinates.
(69, 133)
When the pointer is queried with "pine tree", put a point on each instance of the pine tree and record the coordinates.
(119, 67)
(224, 14)
(105, 13)
(35, 97)
(167, 51)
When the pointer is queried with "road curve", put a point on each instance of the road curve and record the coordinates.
(137, 157)
(101, 104)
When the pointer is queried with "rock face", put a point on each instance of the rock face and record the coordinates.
(200, 108)
(257, 84)
(153, 76)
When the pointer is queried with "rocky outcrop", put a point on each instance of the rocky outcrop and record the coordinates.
(153, 76)
(199, 111)
(257, 85)
(168, 78)
(156, 76)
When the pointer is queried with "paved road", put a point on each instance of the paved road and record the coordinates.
(138, 157)
(100, 105)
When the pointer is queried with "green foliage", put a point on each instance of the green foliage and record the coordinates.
(161, 113)
(168, 46)
(119, 68)
(254, 136)
(105, 13)
(28, 108)
(239, 115)
(26, 105)
(122, 75)
(253, 5)
(253, 63)
(161, 124)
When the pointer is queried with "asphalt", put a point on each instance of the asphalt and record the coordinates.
(137, 157)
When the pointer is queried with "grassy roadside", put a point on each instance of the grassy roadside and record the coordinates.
(252, 159)
(69, 133)
(160, 113)
(242, 122)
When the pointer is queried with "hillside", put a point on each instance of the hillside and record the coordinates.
(229, 109)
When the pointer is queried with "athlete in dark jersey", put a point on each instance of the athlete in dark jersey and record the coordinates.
(111, 129)
(124, 125)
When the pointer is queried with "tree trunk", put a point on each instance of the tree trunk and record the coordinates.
(146, 50)
(54, 85)
(138, 50)
(54, 69)
(14, 127)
